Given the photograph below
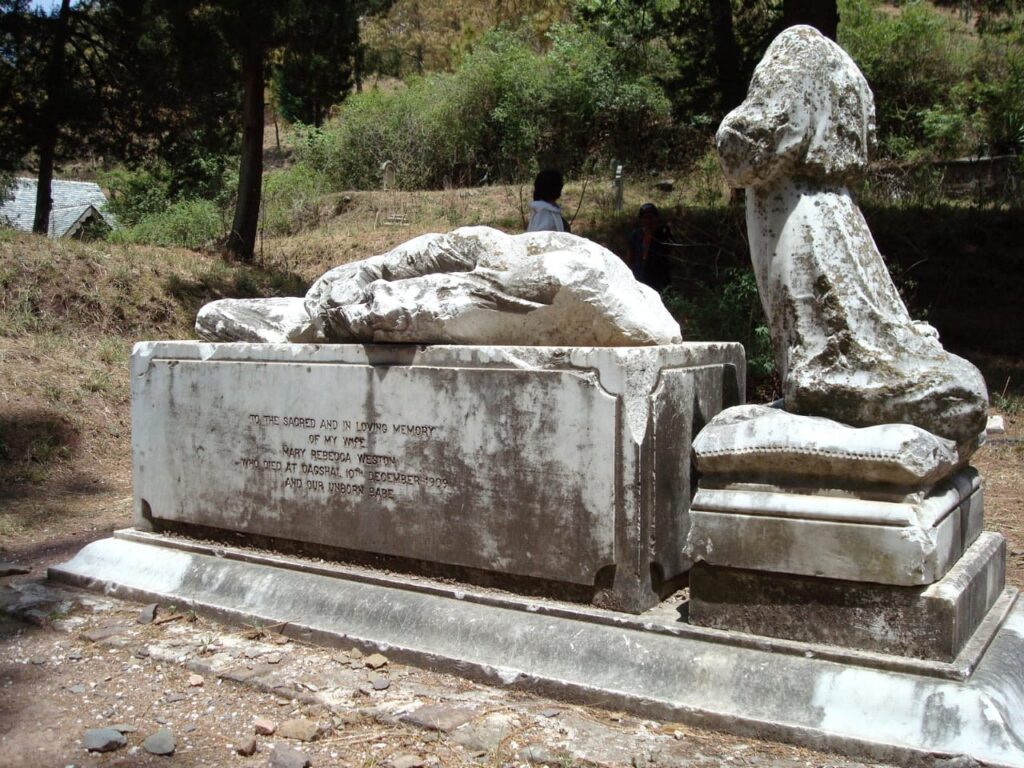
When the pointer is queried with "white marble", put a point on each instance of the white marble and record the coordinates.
(845, 345)
(272, 321)
(477, 285)
(906, 542)
(522, 461)
(758, 441)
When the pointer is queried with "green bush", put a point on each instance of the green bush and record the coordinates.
(730, 311)
(186, 223)
(290, 199)
(137, 193)
(503, 112)
(942, 89)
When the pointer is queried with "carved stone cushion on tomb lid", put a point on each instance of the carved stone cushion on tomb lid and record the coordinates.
(752, 442)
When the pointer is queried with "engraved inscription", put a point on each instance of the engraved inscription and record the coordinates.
(342, 457)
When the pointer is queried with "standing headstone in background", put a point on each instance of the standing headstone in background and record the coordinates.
(388, 175)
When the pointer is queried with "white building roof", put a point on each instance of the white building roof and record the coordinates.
(74, 203)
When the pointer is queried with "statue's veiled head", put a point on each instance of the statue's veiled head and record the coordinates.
(809, 113)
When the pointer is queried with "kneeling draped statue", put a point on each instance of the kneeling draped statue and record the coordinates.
(475, 285)
(845, 345)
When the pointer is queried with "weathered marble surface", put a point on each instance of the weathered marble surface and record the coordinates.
(570, 465)
(930, 622)
(274, 321)
(901, 711)
(845, 344)
(902, 541)
(475, 285)
(758, 441)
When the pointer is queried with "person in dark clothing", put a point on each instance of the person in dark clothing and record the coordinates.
(649, 246)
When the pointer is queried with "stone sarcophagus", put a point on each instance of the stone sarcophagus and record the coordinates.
(561, 469)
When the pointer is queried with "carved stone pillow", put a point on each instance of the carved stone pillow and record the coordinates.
(758, 443)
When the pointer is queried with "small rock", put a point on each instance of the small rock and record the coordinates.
(124, 728)
(77, 688)
(375, 660)
(174, 697)
(286, 757)
(74, 655)
(103, 740)
(10, 569)
(37, 660)
(102, 633)
(298, 728)
(665, 185)
(485, 735)
(274, 658)
(437, 717)
(550, 712)
(406, 761)
(264, 726)
(247, 748)
(147, 614)
(996, 425)
(355, 653)
(380, 683)
(535, 753)
(195, 681)
(253, 653)
(160, 743)
(280, 639)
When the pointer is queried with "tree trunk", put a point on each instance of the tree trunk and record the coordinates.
(242, 240)
(822, 14)
(48, 127)
(726, 54)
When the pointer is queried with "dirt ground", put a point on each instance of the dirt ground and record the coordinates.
(71, 661)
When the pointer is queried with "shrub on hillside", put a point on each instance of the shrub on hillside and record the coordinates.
(187, 223)
(291, 199)
(942, 89)
(504, 111)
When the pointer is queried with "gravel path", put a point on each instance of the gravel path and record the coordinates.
(72, 662)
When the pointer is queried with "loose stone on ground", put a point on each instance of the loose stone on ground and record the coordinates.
(286, 757)
(160, 743)
(103, 740)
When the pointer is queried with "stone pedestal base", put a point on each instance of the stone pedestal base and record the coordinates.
(904, 542)
(932, 622)
(887, 709)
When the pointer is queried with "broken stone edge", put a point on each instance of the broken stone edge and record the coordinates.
(756, 690)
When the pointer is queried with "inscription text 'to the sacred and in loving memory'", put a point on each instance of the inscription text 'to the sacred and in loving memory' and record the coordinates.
(334, 456)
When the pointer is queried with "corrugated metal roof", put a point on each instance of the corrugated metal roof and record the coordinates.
(74, 203)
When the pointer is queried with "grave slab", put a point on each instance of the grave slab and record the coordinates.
(565, 466)
(869, 705)
(933, 622)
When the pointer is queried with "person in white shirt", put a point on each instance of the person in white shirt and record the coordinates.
(544, 211)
